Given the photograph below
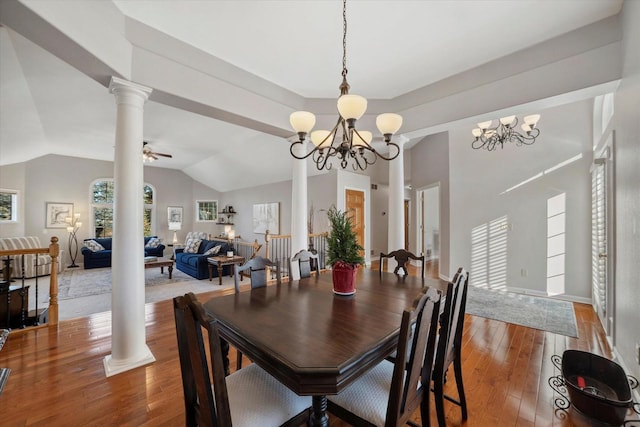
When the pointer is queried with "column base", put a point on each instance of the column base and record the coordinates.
(114, 367)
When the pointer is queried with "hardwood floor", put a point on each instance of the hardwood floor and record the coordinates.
(57, 376)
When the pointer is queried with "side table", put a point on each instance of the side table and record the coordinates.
(221, 261)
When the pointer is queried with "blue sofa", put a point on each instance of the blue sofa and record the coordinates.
(195, 265)
(103, 258)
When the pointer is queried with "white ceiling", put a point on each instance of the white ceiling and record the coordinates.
(298, 44)
(393, 47)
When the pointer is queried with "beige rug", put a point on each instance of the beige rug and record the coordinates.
(85, 292)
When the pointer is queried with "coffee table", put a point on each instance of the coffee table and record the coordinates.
(162, 263)
(221, 261)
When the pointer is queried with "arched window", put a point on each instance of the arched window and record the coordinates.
(102, 195)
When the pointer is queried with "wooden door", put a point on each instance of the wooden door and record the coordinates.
(354, 201)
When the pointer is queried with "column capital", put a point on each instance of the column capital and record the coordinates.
(400, 140)
(118, 86)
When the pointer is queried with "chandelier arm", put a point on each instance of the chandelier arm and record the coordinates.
(389, 144)
(302, 144)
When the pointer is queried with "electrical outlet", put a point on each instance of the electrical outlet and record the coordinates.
(524, 272)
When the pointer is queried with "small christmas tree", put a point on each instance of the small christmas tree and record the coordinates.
(342, 243)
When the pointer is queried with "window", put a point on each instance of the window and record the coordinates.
(556, 247)
(8, 205)
(102, 196)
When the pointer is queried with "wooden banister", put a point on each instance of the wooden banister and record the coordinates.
(54, 252)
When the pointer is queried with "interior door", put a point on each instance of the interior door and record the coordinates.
(355, 211)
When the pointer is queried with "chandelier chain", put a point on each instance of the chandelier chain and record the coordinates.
(344, 38)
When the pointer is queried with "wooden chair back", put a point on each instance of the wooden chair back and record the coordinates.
(256, 268)
(410, 382)
(402, 258)
(307, 261)
(203, 406)
(452, 321)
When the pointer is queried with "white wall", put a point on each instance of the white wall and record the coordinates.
(626, 122)
(430, 165)
(478, 177)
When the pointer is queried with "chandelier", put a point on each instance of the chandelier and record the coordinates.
(344, 141)
(490, 138)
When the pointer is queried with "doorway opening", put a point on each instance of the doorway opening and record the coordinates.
(428, 238)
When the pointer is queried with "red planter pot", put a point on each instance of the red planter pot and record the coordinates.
(344, 278)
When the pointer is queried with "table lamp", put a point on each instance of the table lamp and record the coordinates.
(175, 226)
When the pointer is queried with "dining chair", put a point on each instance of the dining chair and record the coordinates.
(450, 345)
(402, 258)
(307, 261)
(256, 269)
(248, 397)
(388, 395)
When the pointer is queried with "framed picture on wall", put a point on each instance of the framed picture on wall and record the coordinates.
(174, 217)
(56, 214)
(206, 210)
(266, 216)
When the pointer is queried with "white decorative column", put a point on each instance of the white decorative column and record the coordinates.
(396, 202)
(299, 231)
(128, 338)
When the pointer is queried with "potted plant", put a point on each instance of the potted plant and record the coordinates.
(343, 252)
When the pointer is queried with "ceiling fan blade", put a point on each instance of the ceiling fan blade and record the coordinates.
(163, 155)
(152, 155)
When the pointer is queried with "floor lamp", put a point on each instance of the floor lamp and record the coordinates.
(72, 228)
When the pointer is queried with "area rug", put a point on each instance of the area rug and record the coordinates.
(82, 283)
(85, 292)
(546, 314)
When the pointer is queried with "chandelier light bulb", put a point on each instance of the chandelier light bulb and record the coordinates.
(532, 120)
(476, 132)
(321, 139)
(388, 123)
(506, 121)
(302, 121)
(527, 128)
(485, 125)
(352, 107)
(361, 141)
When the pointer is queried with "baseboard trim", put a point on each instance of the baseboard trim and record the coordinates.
(114, 367)
(570, 298)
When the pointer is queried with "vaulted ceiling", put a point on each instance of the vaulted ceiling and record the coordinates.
(226, 74)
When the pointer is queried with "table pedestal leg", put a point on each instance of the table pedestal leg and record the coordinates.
(319, 416)
(170, 271)
(220, 274)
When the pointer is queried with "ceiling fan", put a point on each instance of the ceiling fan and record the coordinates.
(148, 155)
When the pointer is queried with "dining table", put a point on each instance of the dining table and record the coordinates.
(312, 340)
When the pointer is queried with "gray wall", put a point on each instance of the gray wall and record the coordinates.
(54, 178)
(430, 165)
(626, 123)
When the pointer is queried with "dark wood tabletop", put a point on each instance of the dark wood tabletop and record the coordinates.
(313, 341)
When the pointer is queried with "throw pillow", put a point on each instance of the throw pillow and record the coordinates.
(213, 251)
(192, 246)
(93, 246)
(153, 242)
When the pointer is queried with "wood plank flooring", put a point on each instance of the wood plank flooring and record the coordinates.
(57, 376)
